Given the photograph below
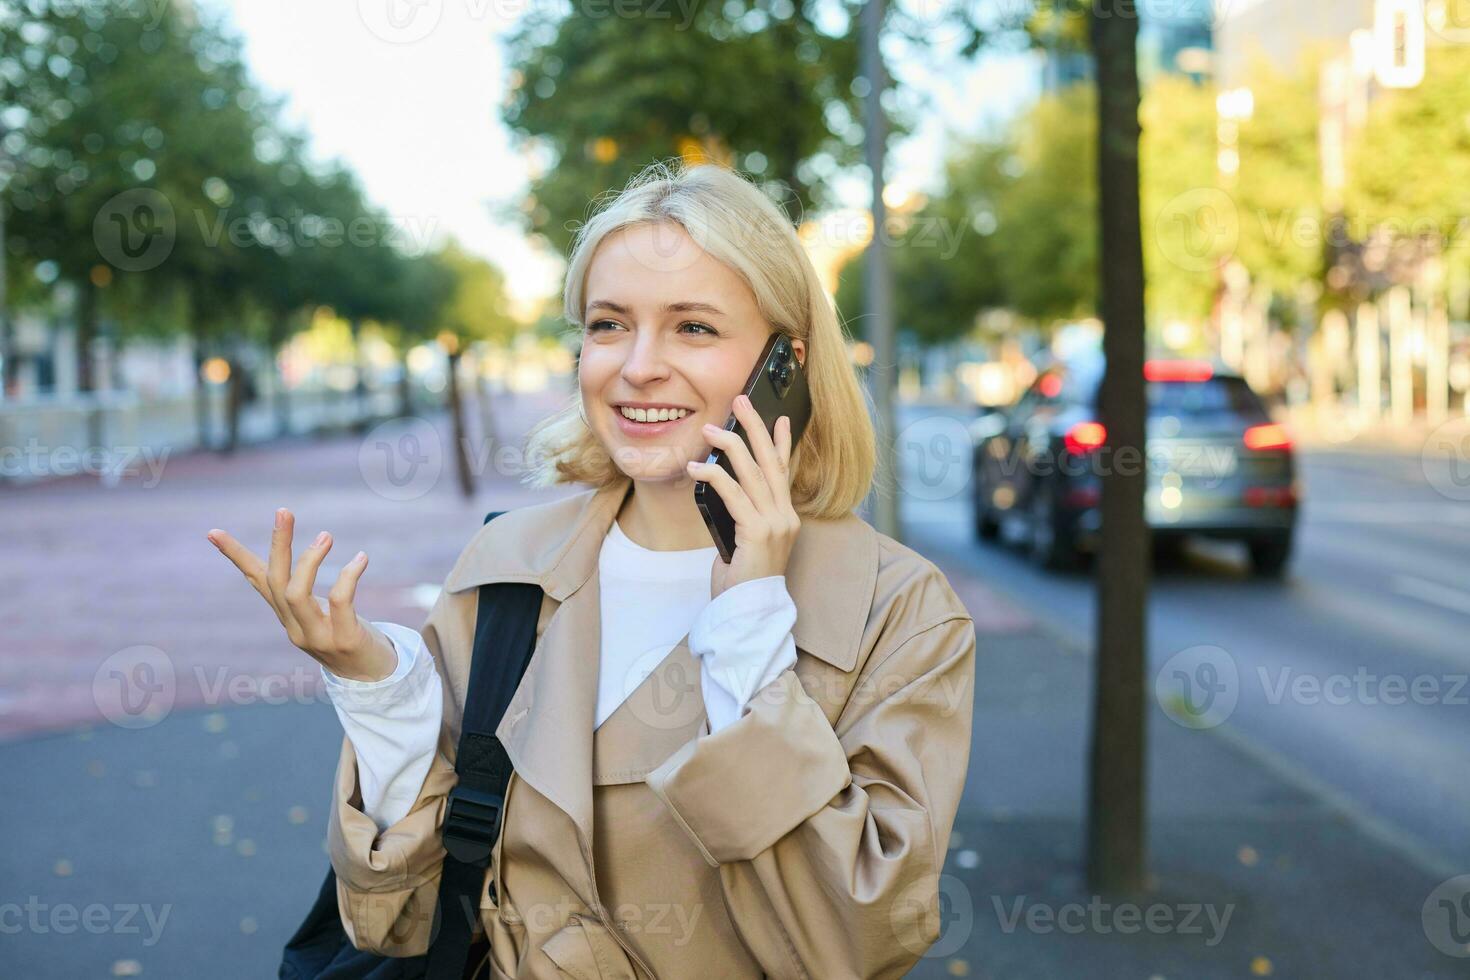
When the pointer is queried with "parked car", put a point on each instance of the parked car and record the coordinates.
(1217, 464)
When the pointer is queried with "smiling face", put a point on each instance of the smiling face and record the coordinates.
(670, 335)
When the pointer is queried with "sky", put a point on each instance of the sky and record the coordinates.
(407, 93)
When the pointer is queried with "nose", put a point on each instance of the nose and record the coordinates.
(645, 363)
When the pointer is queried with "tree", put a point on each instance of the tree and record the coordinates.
(1116, 832)
(475, 311)
(758, 86)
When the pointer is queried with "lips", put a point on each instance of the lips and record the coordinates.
(637, 429)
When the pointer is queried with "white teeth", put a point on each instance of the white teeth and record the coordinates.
(652, 414)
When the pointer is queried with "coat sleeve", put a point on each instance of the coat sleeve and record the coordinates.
(836, 874)
(388, 880)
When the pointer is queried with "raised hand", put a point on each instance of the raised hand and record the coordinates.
(332, 633)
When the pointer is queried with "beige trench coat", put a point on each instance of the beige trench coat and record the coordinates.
(803, 840)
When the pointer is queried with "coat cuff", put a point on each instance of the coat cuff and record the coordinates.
(782, 751)
(388, 880)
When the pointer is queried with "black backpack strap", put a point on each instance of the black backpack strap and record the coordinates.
(505, 638)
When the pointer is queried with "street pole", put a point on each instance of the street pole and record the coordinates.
(1116, 811)
(878, 281)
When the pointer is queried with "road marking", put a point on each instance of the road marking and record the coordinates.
(1444, 596)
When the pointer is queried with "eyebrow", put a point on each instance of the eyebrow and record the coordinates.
(685, 306)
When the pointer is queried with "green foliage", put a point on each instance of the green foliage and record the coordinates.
(154, 103)
(1279, 194)
(755, 85)
(475, 308)
(1410, 166)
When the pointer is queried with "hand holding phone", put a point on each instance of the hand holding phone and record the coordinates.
(776, 387)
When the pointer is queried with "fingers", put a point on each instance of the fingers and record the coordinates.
(243, 558)
(278, 568)
(299, 596)
(773, 460)
(752, 475)
(735, 498)
(782, 487)
(342, 594)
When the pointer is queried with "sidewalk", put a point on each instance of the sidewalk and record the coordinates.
(191, 843)
(1250, 876)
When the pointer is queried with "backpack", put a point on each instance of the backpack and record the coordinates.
(505, 624)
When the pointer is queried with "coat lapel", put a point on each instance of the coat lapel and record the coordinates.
(662, 713)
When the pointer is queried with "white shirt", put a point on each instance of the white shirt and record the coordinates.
(649, 600)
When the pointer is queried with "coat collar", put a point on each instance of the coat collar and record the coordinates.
(831, 573)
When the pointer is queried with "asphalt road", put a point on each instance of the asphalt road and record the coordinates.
(1349, 676)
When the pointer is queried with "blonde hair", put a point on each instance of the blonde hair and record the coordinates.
(730, 218)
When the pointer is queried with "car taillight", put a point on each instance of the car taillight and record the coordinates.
(1268, 436)
(1084, 437)
(1269, 497)
(1177, 371)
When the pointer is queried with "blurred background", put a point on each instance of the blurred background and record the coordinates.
(279, 254)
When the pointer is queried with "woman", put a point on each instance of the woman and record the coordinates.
(787, 814)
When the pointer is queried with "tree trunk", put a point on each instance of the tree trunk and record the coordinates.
(8, 365)
(87, 316)
(201, 393)
(1116, 832)
(235, 397)
(359, 391)
(405, 388)
(456, 417)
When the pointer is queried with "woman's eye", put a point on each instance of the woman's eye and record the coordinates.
(700, 329)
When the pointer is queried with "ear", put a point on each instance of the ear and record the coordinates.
(800, 348)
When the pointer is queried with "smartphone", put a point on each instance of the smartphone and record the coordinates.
(776, 387)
